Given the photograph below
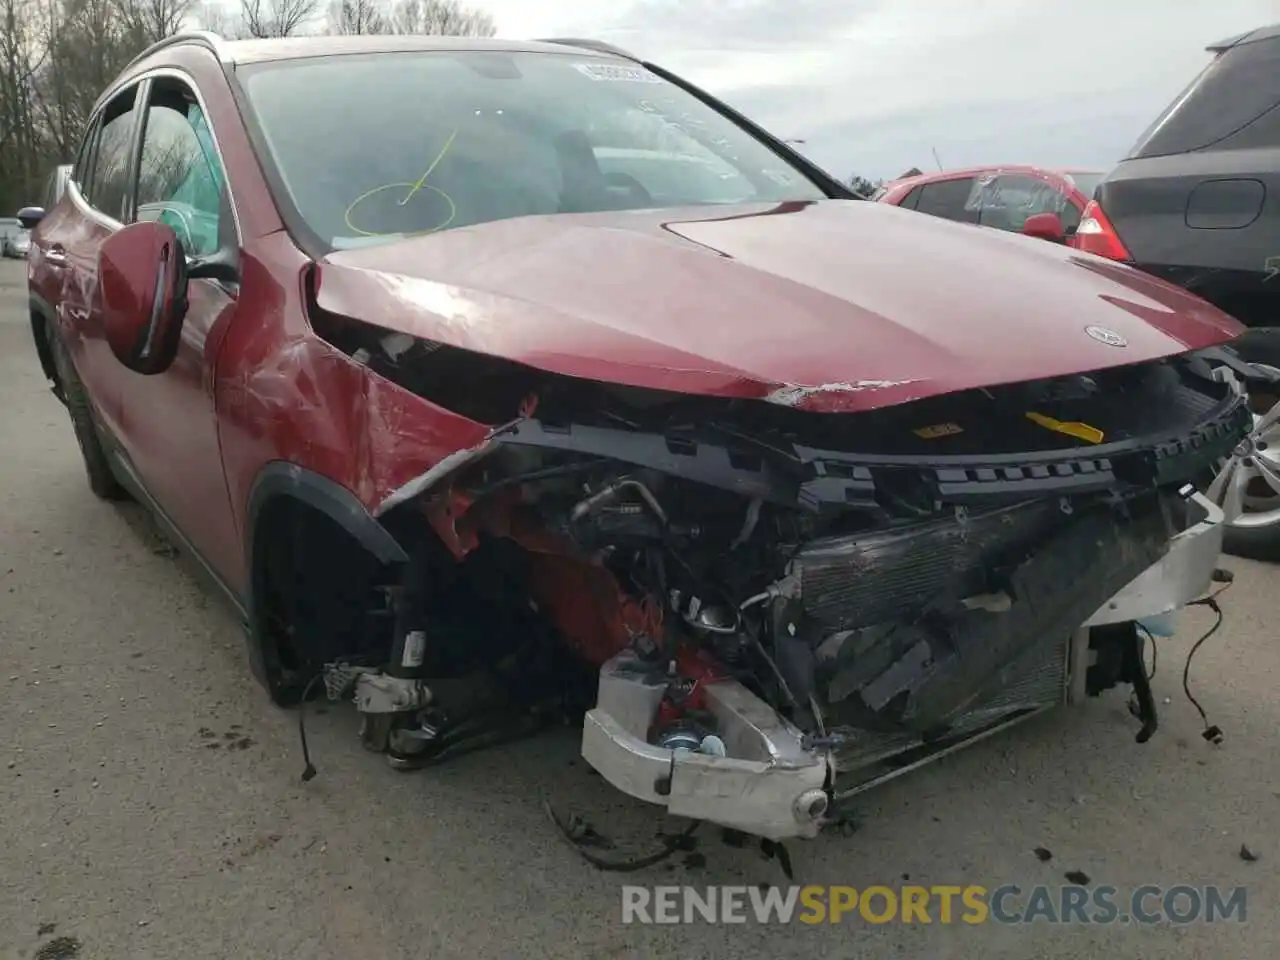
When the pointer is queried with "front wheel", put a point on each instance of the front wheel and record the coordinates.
(1247, 485)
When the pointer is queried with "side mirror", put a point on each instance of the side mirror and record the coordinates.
(1045, 226)
(142, 279)
(30, 216)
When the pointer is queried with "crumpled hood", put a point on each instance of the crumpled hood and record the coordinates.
(834, 306)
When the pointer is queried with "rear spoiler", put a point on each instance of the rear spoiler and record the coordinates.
(1249, 36)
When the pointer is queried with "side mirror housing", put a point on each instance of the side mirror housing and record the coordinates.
(30, 216)
(142, 276)
(1045, 226)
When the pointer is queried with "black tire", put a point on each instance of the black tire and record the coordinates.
(1256, 345)
(96, 466)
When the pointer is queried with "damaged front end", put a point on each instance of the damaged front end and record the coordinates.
(786, 607)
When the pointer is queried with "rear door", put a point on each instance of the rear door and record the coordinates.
(64, 262)
(1198, 198)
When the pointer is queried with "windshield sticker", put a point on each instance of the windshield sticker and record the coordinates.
(616, 71)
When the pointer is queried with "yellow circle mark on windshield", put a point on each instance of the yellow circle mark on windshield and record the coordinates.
(416, 188)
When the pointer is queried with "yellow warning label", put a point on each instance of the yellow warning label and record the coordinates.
(1081, 431)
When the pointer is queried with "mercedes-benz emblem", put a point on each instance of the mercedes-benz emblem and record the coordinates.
(1109, 337)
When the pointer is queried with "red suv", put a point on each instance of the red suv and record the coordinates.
(474, 369)
(1042, 203)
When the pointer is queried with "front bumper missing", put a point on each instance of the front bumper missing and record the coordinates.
(769, 781)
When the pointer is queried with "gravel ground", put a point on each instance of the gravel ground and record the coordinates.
(151, 807)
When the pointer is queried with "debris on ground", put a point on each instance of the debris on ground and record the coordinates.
(1077, 876)
(1247, 855)
(59, 948)
(1043, 854)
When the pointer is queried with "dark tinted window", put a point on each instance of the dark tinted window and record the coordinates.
(1239, 90)
(109, 182)
(911, 199)
(1070, 217)
(947, 198)
(179, 175)
(436, 140)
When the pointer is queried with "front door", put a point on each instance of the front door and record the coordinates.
(171, 434)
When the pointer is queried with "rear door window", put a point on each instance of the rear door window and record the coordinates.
(1006, 201)
(912, 199)
(1233, 104)
(109, 179)
(947, 199)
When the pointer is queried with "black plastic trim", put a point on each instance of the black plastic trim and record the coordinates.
(813, 478)
(1180, 455)
(713, 464)
(43, 314)
(281, 478)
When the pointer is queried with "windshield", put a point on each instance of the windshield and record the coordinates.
(376, 146)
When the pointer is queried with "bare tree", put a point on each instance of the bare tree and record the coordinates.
(441, 17)
(277, 18)
(57, 56)
(357, 17)
(216, 17)
(152, 20)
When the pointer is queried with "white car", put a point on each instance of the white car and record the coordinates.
(17, 244)
(9, 227)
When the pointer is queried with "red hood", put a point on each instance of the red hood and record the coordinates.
(839, 305)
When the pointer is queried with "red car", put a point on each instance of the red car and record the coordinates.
(1041, 203)
(491, 380)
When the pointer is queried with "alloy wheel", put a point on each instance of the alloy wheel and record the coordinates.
(1247, 485)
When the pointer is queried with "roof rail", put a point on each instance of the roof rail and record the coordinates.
(205, 38)
(599, 46)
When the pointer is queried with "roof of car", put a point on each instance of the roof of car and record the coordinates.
(991, 168)
(232, 52)
(288, 48)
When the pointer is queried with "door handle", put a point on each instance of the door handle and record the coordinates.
(56, 256)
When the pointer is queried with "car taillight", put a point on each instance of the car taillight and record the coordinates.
(1096, 234)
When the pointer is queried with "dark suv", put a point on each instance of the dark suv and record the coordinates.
(1197, 202)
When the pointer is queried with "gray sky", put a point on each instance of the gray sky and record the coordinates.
(874, 85)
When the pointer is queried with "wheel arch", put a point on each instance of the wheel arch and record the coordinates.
(42, 320)
(283, 485)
